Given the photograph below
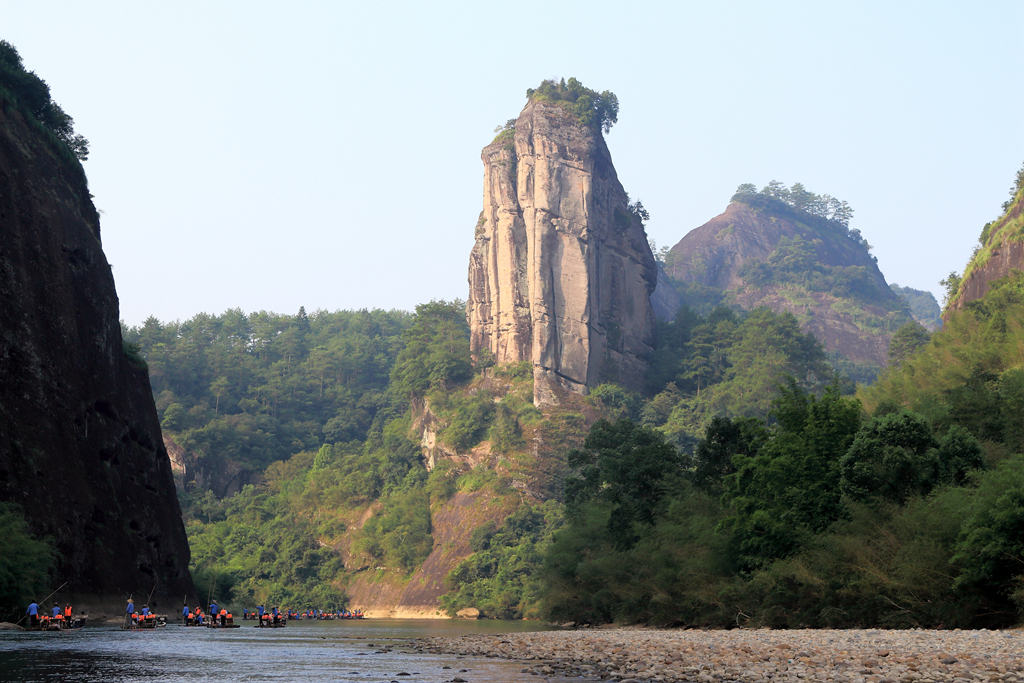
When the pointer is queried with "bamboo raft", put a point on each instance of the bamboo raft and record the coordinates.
(141, 623)
(51, 624)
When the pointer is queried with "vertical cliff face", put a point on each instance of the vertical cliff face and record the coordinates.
(80, 445)
(561, 274)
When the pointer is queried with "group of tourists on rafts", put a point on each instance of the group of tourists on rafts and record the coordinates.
(218, 617)
(63, 618)
(58, 619)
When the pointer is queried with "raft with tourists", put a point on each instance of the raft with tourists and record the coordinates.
(144, 620)
(59, 623)
(270, 621)
(57, 619)
(141, 622)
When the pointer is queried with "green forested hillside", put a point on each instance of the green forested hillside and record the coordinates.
(724, 363)
(902, 506)
(253, 388)
(321, 408)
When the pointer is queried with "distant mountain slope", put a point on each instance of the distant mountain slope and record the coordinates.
(923, 306)
(763, 252)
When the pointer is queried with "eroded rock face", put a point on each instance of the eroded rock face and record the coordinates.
(561, 274)
(80, 445)
(1006, 257)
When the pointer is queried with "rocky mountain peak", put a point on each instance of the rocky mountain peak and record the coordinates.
(561, 273)
(762, 252)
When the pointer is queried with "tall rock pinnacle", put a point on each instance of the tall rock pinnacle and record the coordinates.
(561, 273)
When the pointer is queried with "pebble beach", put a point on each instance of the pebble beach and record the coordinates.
(753, 656)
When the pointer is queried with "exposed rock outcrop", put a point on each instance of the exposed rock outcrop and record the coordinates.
(384, 593)
(1003, 254)
(714, 254)
(227, 479)
(80, 445)
(561, 274)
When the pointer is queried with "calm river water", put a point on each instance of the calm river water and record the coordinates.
(321, 651)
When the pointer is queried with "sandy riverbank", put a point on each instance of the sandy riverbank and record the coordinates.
(756, 656)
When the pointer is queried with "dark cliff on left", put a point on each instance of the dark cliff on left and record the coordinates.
(80, 447)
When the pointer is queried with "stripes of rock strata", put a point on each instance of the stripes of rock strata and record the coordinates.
(561, 273)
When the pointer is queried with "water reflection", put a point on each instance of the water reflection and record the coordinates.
(305, 650)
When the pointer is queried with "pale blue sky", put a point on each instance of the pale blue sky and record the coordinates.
(268, 155)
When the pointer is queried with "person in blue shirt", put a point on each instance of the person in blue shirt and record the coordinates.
(55, 612)
(261, 611)
(33, 614)
(245, 613)
(145, 610)
(214, 610)
(184, 614)
(129, 611)
(273, 612)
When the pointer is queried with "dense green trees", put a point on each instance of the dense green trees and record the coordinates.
(593, 109)
(400, 536)
(794, 261)
(803, 201)
(991, 545)
(906, 340)
(252, 388)
(624, 467)
(789, 489)
(500, 577)
(32, 95)
(25, 563)
(825, 520)
(908, 513)
(256, 547)
(725, 363)
(436, 353)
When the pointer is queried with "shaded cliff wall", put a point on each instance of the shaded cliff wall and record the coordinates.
(80, 445)
(561, 273)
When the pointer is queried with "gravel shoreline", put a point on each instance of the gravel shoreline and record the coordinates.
(754, 656)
